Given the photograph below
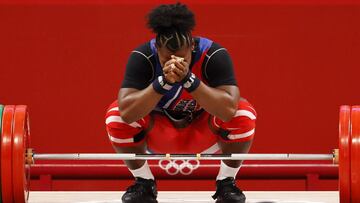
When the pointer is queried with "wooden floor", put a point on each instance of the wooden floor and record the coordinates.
(177, 196)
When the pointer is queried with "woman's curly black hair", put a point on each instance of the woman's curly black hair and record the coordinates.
(172, 24)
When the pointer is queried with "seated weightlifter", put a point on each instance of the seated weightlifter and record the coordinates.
(180, 95)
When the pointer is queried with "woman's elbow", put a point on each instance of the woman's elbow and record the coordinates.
(228, 114)
(125, 115)
(127, 118)
(130, 117)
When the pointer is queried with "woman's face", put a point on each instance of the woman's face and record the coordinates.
(165, 54)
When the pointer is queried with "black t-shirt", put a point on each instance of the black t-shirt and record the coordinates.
(217, 68)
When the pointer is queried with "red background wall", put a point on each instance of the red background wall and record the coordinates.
(297, 62)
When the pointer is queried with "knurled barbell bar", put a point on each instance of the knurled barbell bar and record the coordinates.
(234, 156)
(17, 156)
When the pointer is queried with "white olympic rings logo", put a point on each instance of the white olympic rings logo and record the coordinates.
(173, 167)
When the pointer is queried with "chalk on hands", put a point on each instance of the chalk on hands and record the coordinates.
(178, 59)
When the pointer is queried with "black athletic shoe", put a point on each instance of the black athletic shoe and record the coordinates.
(142, 191)
(228, 192)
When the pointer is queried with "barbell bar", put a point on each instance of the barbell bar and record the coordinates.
(234, 156)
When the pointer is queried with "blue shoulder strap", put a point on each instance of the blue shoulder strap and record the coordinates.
(204, 45)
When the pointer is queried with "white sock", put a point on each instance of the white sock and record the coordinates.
(143, 172)
(227, 171)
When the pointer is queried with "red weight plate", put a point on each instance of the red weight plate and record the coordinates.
(344, 154)
(355, 154)
(1, 113)
(27, 166)
(6, 154)
(20, 175)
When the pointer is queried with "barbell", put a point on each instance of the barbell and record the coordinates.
(17, 156)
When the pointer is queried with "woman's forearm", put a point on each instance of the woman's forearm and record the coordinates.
(221, 102)
(136, 104)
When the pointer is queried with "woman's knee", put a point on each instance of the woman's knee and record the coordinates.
(124, 134)
(241, 128)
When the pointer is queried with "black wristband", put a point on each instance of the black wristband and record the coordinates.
(192, 83)
(161, 86)
(186, 78)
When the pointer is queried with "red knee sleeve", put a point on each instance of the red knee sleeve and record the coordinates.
(121, 133)
(241, 127)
